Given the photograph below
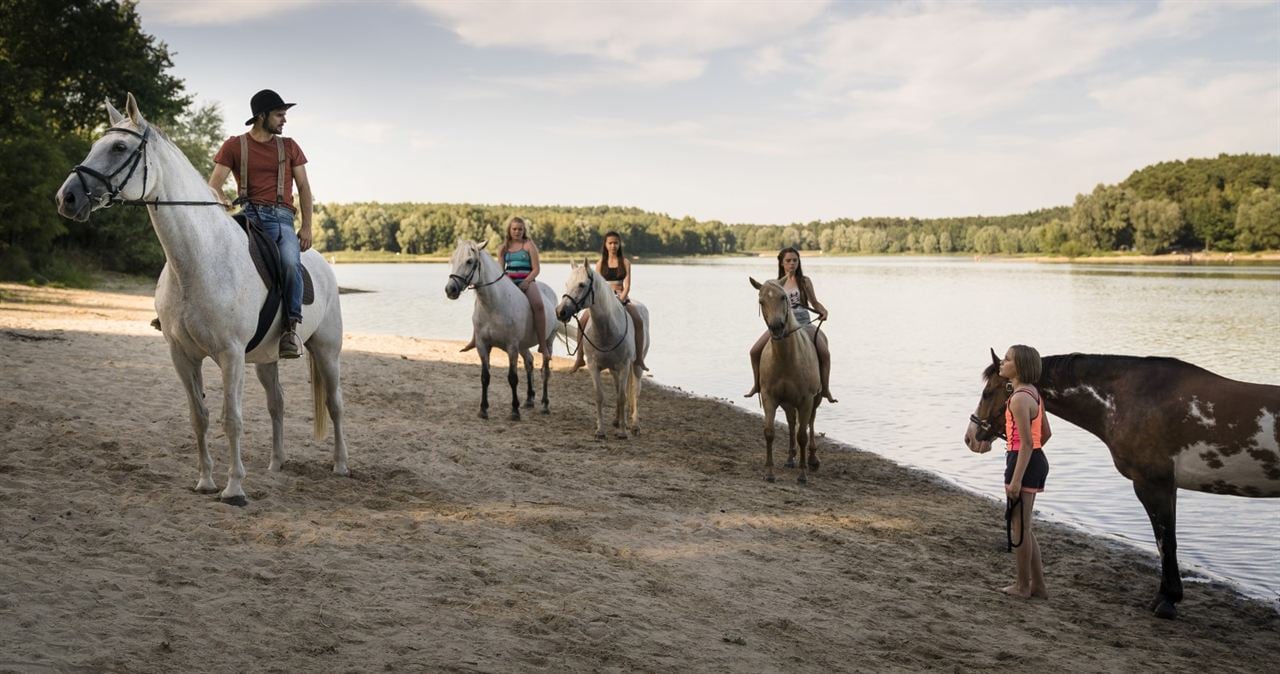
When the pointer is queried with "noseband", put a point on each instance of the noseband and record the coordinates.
(986, 430)
(131, 162)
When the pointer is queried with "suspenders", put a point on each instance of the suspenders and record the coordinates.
(243, 187)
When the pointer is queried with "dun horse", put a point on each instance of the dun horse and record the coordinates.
(1168, 424)
(609, 343)
(788, 377)
(209, 292)
(503, 319)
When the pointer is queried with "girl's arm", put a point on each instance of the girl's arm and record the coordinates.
(813, 299)
(1044, 429)
(626, 281)
(1021, 407)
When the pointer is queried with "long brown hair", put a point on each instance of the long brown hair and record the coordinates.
(604, 252)
(782, 273)
(506, 230)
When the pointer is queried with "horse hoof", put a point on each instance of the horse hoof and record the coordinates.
(528, 404)
(620, 435)
(341, 471)
(237, 501)
(1163, 608)
(802, 479)
(515, 416)
(814, 466)
(770, 478)
(615, 423)
(791, 463)
(599, 436)
(208, 490)
(484, 414)
(545, 410)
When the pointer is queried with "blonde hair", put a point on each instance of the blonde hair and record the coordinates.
(1026, 360)
(506, 229)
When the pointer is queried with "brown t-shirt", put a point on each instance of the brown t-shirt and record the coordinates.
(263, 163)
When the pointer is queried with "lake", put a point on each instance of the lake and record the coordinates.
(909, 339)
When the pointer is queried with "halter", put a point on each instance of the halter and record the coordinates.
(466, 280)
(139, 156)
(587, 299)
(986, 430)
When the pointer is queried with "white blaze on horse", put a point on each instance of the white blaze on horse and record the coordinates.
(789, 377)
(609, 343)
(502, 319)
(209, 292)
(1168, 424)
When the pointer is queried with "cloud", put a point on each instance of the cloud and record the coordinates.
(214, 12)
(629, 42)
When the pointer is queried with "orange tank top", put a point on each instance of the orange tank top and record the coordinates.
(1011, 428)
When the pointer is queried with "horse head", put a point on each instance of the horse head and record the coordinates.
(775, 306)
(579, 291)
(117, 167)
(987, 422)
(466, 267)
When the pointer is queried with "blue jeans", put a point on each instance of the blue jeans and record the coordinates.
(277, 222)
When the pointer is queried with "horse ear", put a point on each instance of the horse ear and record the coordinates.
(482, 244)
(113, 115)
(754, 283)
(995, 360)
(131, 108)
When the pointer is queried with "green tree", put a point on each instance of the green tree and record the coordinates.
(1258, 220)
(1156, 224)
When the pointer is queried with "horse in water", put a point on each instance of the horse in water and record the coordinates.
(789, 377)
(1168, 424)
(503, 319)
(209, 293)
(609, 342)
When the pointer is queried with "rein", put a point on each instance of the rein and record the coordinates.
(589, 297)
(467, 283)
(131, 162)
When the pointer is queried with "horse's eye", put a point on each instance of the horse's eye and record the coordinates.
(986, 395)
(119, 146)
(582, 285)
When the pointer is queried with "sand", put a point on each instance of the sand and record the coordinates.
(469, 545)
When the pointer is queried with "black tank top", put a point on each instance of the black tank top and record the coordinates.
(615, 274)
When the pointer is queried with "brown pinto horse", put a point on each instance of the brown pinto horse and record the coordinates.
(1168, 424)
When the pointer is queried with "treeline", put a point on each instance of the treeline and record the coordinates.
(59, 60)
(1231, 202)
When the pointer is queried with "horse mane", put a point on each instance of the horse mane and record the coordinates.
(1075, 366)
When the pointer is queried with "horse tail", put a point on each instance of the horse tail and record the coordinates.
(319, 397)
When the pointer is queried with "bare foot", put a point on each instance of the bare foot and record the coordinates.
(754, 390)
(470, 345)
(1013, 591)
(1039, 594)
(827, 395)
(577, 365)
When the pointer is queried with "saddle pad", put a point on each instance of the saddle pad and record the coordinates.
(266, 258)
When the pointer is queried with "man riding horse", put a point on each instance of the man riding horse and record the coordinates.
(266, 165)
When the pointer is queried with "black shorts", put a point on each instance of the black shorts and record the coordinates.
(1034, 476)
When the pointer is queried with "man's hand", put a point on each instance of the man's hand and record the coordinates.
(304, 237)
(220, 197)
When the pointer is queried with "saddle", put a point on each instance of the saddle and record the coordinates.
(266, 259)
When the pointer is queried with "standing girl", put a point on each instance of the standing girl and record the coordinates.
(616, 269)
(800, 291)
(1025, 466)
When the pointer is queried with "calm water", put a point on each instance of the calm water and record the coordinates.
(909, 338)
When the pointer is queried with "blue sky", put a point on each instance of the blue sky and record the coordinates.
(757, 112)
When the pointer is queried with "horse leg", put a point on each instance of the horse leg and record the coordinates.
(634, 398)
(813, 438)
(192, 379)
(527, 355)
(546, 377)
(326, 379)
(1159, 497)
(791, 437)
(269, 375)
(770, 409)
(484, 380)
(513, 365)
(621, 386)
(599, 385)
(232, 364)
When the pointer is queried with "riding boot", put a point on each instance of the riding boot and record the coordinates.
(289, 347)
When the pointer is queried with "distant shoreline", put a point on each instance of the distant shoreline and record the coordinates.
(1196, 258)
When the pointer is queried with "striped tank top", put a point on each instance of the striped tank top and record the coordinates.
(517, 265)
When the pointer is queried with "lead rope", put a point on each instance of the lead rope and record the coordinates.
(1010, 504)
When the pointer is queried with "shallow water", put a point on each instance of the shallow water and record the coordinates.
(910, 337)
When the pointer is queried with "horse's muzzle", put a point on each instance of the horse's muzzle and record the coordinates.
(73, 202)
(451, 290)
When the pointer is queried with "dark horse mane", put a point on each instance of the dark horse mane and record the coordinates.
(1073, 366)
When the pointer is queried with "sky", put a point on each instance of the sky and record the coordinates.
(744, 112)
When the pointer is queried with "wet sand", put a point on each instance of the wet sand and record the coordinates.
(469, 545)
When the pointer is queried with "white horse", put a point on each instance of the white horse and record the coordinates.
(209, 293)
(503, 319)
(609, 340)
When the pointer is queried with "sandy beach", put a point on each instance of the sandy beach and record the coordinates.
(467, 545)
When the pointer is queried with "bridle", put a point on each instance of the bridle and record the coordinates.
(588, 298)
(139, 156)
(466, 281)
(987, 429)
